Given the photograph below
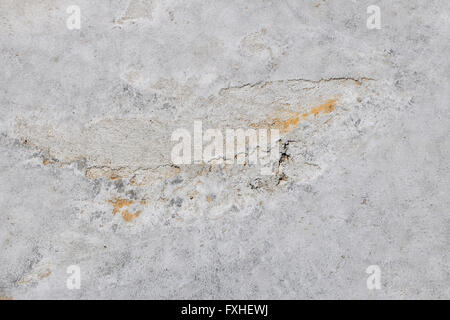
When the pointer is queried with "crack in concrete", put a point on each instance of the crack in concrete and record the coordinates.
(262, 84)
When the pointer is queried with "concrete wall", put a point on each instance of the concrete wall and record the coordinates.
(86, 179)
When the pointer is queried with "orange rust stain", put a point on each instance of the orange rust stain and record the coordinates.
(286, 125)
(6, 298)
(120, 204)
(127, 216)
(47, 162)
(327, 107)
(289, 124)
(114, 177)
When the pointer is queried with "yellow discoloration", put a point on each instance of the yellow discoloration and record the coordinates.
(127, 216)
(45, 274)
(40, 273)
(111, 174)
(285, 125)
(120, 204)
(289, 124)
(324, 108)
(47, 162)
(6, 298)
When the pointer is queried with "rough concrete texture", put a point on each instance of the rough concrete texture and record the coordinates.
(86, 118)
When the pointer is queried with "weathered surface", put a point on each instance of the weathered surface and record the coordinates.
(85, 144)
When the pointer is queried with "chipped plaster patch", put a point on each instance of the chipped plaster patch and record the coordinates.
(40, 271)
(133, 154)
(137, 10)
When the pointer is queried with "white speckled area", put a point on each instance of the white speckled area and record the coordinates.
(86, 179)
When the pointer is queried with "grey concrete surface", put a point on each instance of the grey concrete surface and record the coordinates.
(86, 178)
